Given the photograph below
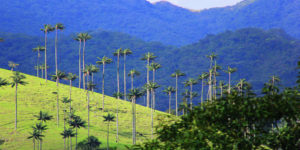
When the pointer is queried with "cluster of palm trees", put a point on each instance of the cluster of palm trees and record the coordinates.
(86, 81)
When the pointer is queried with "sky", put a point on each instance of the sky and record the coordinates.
(201, 4)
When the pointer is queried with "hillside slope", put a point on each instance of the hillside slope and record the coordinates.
(37, 96)
(161, 22)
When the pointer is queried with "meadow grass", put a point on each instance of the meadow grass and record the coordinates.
(38, 95)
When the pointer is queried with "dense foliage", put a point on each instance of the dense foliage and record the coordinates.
(160, 22)
(257, 54)
(240, 120)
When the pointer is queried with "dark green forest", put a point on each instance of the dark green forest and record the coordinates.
(257, 54)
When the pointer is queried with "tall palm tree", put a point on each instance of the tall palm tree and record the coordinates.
(12, 65)
(58, 26)
(133, 95)
(90, 86)
(153, 67)
(102, 61)
(211, 58)
(35, 135)
(17, 79)
(125, 53)
(41, 128)
(176, 75)
(77, 123)
(85, 37)
(71, 77)
(202, 77)
(230, 71)
(152, 86)
(108, 118)
(117, 95)
(190, 82)
(60, 75)
(118, 53)
(43, 116)
(132, 73)
(38, 49)
(68, 133)
(47, 29)
(169, 90)
(148, 57)
(1, 39)
(79, 38)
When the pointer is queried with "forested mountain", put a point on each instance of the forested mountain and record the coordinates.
(161, 22)
(257, 54)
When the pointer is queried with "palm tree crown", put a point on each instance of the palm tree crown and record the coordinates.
(18, 79)
(103, 60)
(43, 116)
(177, 73)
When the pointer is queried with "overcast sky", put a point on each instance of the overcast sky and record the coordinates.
(201, 4)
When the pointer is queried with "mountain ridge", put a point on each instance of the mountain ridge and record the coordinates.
(165, 23)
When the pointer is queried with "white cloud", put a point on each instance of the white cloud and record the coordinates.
(201, 4)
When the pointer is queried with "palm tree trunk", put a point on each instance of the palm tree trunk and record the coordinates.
(79, 74)
(131, 81)
(133, 125)
(93, 81)
(76, 140)
(68, 143)
(41, 144)
(152, 115)
(229, 83)
(202, 92)
(56, 56)
(108, 136)
(38, 145)
(153, 78)
(64, 129)
(71, 143)
(118, 97)
(42, 73)
(169, 102)
(221, 88)
(70, 95)
(37, 65)
(103, 86)
(33, 144)
(57, 103)
(88, 97)
(83, 65)
(118, 74)
(148, 92)
(125, 76)
(46, 56)
(88, 108)
(16, 101)
(191, 97)
(176, 94)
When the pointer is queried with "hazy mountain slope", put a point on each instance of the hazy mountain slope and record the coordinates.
(160, 22)
(256, 53)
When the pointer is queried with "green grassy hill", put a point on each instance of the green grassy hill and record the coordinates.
(37, 95)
